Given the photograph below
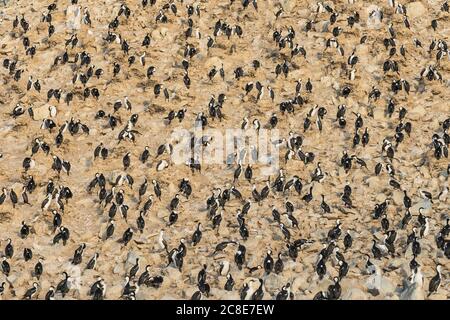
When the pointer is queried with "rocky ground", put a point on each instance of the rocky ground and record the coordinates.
(414, 162)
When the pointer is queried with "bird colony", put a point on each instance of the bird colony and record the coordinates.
(93, 205)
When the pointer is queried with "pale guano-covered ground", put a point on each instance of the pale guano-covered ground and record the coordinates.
(415, 166)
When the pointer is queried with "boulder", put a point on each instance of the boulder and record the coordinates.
(412, 292)
(397, 196)
(273, 282)
(131, 258)
(73, 17)
(355, 294)
(41, 112)
(300, 284)
(415, 10)
(118, 269)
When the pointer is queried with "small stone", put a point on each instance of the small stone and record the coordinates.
(273, 282)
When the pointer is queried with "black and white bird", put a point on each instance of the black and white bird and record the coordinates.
(435, 282)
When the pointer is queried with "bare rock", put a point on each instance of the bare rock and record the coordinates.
(415, 10)
(73, 17)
